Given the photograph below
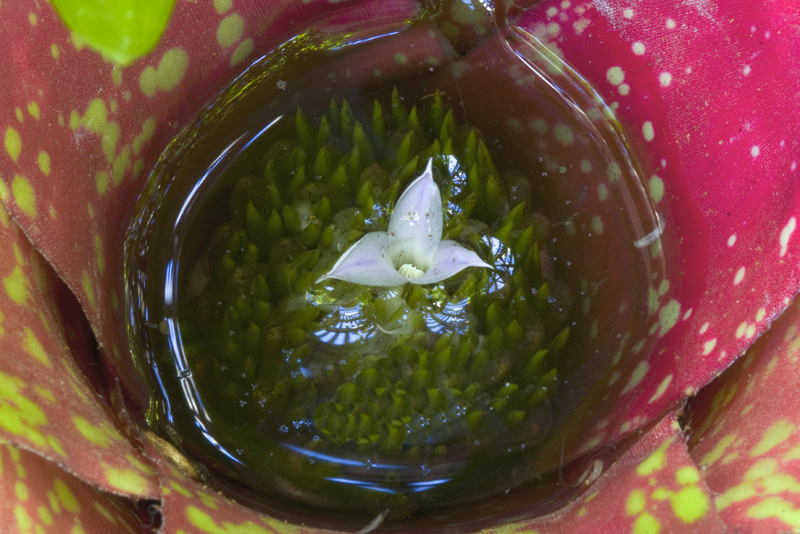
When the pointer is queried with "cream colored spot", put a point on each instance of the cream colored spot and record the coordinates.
(668, 316)
(662, 388)
(732, 240)
(44, 162)
(647, 131)
(615, 75)
(24, 195)
(563, 134)
(613, 173)
(665, 78)
(244, 49)
(708, 346)
(13, 143)
(670, 24)
(755, 151)
(786, 234)
(624, 89)
(602, 192)
(638, 374)
(638, 48)
(739, 276)
(760, 314)
(230, 30)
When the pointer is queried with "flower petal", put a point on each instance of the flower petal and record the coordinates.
(367, 262)
(450, 258)
(416, 222)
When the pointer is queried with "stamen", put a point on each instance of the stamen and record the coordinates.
(410, 271)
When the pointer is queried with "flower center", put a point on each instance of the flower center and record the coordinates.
(410, 271)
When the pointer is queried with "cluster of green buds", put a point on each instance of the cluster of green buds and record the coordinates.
(416, 371)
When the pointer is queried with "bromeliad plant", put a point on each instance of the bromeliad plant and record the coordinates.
(689, 83)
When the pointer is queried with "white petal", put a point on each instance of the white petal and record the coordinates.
(416, 222)
(367, 262)
(450, 258)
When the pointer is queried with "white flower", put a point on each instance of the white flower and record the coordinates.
(412, 251)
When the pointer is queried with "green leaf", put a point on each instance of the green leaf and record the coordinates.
(122, 30)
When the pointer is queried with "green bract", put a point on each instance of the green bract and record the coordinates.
(121, 30)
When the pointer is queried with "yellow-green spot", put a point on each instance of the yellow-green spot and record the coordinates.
(402, 59)
(21, 491)
(206, 523)
(777, 508)
(110, 139)
(19, 115)
(597, 225)
(121, 164)
(96, 116)
(65, 496)
(92, 433)
(16, 285)
(127, 481)
(116, 75)
(230, 30)
(668, 316)
(44, 162)
(75, 120)
(635, 503)
(45, 516)
(222, 5)
(121, 31)
(646, 524)
(739, 493)
(54, 51)
(244, 49)
(101, 182)
(105, 513)
(86, 283)
(180, 489)
(33, 110)
(148, 129)
(654, 462)
(773, 436)
(144, 468)
(167, 75)
(613, 173)
(24, 521)
(687, 475)
(98, 245)
(34, 347)
(18, 414)
(13, 143)
(56, 445)
(689, 504)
